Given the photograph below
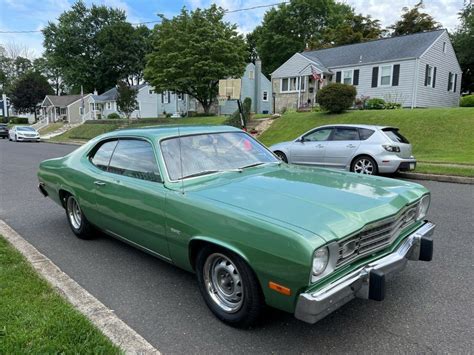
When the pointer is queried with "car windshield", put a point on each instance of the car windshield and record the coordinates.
(203, 154)
(26, 129)
(394, 135)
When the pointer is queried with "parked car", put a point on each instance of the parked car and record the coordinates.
(23, 133)
(3, 130)
(359, 148)
(214, 201)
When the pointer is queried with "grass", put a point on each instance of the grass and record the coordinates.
(35, 319)
(51, 128)
(459, 170)
(89, 130)
(442, 135)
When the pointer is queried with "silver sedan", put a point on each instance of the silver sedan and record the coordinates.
(361, 149)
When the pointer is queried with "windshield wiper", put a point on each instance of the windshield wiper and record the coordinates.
(204, 172)
(257, 164)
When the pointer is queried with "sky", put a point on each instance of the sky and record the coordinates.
(21, 15)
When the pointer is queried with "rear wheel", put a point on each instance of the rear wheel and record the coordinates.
(364, 165)
(229, 287)
(281, 156)
(77, 221)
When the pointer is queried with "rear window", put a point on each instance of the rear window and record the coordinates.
(365, 133)
(394, 135)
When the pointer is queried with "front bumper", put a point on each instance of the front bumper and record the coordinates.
(367, 282)
(29, 139)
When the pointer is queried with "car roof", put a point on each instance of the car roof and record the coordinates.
(166, 131)
(356, 125)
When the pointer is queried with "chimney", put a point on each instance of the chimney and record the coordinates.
(258, 85)
(95, 92)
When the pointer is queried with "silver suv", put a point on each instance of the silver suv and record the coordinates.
(359, 148)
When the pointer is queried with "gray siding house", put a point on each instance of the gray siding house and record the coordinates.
(418, 70)
(256, 86)
(67, 108)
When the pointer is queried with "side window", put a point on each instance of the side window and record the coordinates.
(345, 134)
(365, 133)
(101, 157)
(318, 135)
(135, 158)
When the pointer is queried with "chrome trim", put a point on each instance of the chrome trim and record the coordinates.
(313, 306)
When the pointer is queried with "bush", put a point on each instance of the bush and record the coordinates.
(19, 120)
(337, 98)
(113, 116)
(375, 104)
(467, 101)
(392, 106)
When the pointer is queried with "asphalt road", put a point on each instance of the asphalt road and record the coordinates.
(429, 306)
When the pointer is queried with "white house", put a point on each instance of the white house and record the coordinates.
(417, 70)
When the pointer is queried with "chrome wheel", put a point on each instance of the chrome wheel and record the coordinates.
(364, 166)
(74, 213)
(223, 282)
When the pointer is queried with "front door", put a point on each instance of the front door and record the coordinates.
(341, 147)
(310, 149)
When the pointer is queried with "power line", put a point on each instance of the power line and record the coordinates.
(148, 22)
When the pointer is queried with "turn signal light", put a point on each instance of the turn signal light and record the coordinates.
(279, 288)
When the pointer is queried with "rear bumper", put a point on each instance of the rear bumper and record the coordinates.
(368, 282)
(393, 164)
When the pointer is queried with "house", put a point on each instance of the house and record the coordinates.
(150, 103)
(68, 108)
(417, 70)
(256, 86)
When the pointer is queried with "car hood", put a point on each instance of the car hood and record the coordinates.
(329, 203)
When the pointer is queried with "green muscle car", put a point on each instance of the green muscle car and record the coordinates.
(214, 201)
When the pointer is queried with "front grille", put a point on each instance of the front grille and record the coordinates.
(375, 236)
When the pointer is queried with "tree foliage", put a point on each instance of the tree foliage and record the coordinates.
(13, 64)
(414, 20)
(126, 98)
(53, 74)
(192, 51)
(463, 42)
(311, 24)
(95, 47)
(28, 91)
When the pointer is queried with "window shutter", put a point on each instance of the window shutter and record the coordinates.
(449, 81)
(434, 77)
(396, 74)
(338, 77)
(375, 76)
(426, 74)
(455, 81)
(162, 98)
(169, 96)
(356, 77)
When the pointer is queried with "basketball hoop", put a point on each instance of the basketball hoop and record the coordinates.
(230, 88)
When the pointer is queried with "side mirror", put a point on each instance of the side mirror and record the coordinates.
(301, 140)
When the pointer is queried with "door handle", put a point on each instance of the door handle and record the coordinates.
(350, 146)
(320, 146)
(99, 183)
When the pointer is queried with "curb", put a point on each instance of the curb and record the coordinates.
(440, 178)
(62, 143)
(103, 318)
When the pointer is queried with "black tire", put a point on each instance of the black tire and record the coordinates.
(364, 165)
(79, 226)
(281, 156)
(252, 300)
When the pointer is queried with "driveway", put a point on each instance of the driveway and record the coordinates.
(429, 307)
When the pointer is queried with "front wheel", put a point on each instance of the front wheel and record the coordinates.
(364, 165)
(281, 156)
(79, 224)
(229, 287)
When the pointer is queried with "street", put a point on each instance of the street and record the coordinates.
(429, 307)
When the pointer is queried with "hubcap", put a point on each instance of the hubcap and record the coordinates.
(364, 166)
(74, 213)
(223, 283)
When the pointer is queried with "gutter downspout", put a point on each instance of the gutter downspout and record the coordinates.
(415, 85)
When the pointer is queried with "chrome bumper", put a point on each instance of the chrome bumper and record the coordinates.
(367, 282)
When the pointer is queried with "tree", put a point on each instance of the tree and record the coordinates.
(463, 42)
(126, 98)
(28, 91)
(192, 51)
(94, 47)
(14, 62)
(311, 24)
(53, 74)
(413, 21)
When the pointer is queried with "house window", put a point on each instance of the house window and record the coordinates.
(347, 76)
(151, 91)
(386, 75)
(180, 96)
(291, 84)
(265, 96)
(165, 97)
(451, 82)
(81, 110)
(444, 47)
(109, 105)
(62, 111)
(251, 74)
(429, 75)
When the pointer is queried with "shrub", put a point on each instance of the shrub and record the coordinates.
(467, 101)
(337, 98)
(392, 106)
(19, 120)
(375, 104)
(113, 116)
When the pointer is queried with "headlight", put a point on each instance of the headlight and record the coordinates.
(423, 206)
(320, 261)
(391, 148)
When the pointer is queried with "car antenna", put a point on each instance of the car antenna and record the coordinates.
(181, 161)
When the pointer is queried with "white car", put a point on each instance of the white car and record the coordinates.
(361, 149)
(23, 133)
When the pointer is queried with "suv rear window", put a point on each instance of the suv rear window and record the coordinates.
(365, 133)
(394, 135)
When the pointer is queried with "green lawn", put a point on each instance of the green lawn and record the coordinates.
(35, 319)
(437, 135)
(51, 128)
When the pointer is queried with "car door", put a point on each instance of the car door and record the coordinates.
(130, 196)
(341, 147)
(311, 147)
